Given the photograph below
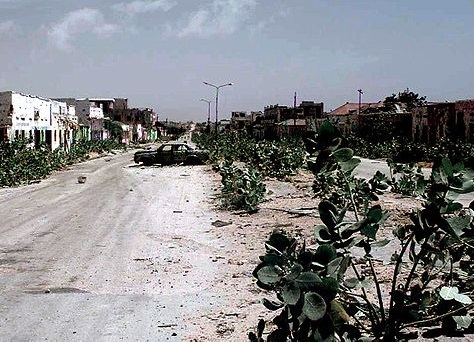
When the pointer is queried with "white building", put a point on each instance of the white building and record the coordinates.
(35, 118)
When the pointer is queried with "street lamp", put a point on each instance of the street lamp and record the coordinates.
(217, 98)
(208, 114)
(358, 110)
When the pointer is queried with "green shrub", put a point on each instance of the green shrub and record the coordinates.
(322, 292)
(242, 188)
(22, 164)
(278, 158)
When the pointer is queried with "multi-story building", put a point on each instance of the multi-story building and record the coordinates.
(92, 115)
(240, 120)
(278, 120)
(142, 122)
(96, 113)
(38, 119)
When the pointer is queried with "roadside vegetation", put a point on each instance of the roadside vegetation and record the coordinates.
(327, 288)
(323, 292)
(21, 164)
(245, 162)
(400, 151)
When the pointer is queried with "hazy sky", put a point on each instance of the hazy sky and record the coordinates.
(158, 53)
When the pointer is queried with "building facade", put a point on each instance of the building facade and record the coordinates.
(437, 120)
(36, 119)
(465, 110)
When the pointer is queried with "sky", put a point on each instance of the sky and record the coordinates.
(158, 53)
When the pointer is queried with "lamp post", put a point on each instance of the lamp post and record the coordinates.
(358, 110)
(217, 98)
(208, 114)
(360, 98)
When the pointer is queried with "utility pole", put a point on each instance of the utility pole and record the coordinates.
(360, 98)
(217, 104)
(358, 110)
(294, 111)
(217, 98)
(208, 128)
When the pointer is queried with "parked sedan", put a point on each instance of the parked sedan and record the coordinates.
(172, 153)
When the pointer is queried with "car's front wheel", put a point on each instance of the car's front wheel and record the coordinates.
(192, 160)
(147, 161)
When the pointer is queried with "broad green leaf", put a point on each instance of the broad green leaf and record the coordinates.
(271, 305)
(314, 306)
(273, 249)
(269, 275)
(291, 293)
(349, 165)
(459, 223)
(351, 282)
(279, 240)
(321, 233)
(328, 289)
(326, 130)
(458, 167)
(447, 167)
(463, 299)
(328, 213)
(295, 272)
(308, 280)
(375, 214)
(273, 259)
(446, 227)
(324, 254)
(335, 143)
(370, 231)
(343, 154)
(448, 293)
(463, 322)
(333, 267)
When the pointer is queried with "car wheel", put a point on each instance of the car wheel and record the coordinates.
(147, 162)
(192, 160)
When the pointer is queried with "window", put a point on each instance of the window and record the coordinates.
(183, 148)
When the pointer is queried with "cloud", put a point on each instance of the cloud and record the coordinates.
(78, 22)
(7, 27)
(221, 17)
(268, 21)
(141, 6)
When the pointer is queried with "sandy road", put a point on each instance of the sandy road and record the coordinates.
(125, 256)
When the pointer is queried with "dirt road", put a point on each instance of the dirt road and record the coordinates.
(128, 255)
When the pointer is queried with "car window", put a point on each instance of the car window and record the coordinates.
(166, 148)
(182, 148)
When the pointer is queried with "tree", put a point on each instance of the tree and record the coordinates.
(407, 98)
(115, 129)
